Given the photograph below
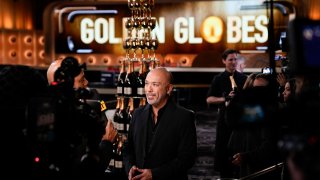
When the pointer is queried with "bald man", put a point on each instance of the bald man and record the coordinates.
(162, 142)
(52, 69)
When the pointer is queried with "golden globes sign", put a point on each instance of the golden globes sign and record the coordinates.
(187, 27)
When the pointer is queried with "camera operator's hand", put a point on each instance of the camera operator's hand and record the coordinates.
(110, 133)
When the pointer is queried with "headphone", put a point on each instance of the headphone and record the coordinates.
(69, 69)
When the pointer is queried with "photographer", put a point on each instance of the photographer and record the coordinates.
(82, 144)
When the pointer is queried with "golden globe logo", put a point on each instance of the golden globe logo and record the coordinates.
(239, 29)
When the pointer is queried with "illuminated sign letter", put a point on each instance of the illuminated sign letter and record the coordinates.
(233, 29)
(181, 33)
(86, 29)
(260, 20)
(112, 38)
(159, 30)
(192, 39)
(101, 24)
(212, 29)
(246, 29)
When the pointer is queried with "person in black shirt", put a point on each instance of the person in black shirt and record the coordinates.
(221, 91)
(162, 142)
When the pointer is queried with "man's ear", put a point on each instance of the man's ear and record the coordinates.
(223, 61)
(169, 89)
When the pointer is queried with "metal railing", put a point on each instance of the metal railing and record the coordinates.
(263, 171)
(258, 173)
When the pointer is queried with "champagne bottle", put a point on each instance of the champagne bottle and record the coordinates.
(130, 83)
(116, 114)
(129, 113)
(111, 166)
(140, 79)
(118, 165)
(122, 117)
(234, 90)
(112, 163)
(121, 79)
(142, 102)
(233, 84)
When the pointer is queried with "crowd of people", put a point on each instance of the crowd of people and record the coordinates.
(73, 139)
(264, 119)
(269, 120)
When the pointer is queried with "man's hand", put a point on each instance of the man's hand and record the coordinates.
(142, 174)
(232, 94)
(237, 159)
(132, 172)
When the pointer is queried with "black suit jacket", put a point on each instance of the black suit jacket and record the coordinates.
(174, 146)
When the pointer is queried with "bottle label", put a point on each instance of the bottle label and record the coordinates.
(140, 91)
(128, 90)
(118, 164)
(120, 126)
(119, 90)
(115, 124)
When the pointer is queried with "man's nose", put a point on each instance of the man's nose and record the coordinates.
(86, 82)
(147, 88)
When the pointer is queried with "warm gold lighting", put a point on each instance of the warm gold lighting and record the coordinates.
(41, 54)
(7, 20)
(27, 39)
(16, 14)
(41, 40)
(28, 54)
(91, 60)
(79, 59)
(105, 60)
(12, 39)
(12, 53)
(212, 29)
(28, 24)
(314, 14)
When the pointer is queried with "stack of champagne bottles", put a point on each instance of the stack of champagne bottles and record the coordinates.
(140, 45)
